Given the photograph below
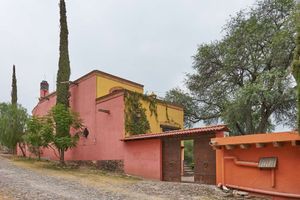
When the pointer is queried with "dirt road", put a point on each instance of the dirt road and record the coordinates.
(19, 180)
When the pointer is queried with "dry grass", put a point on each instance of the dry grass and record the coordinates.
(87, 174)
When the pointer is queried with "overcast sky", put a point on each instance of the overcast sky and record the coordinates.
(147, 41)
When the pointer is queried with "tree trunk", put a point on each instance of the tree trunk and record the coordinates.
(39, 154)
(265, 114)
(262, 128)
(22, 150)
(62, 156)
(239, 128)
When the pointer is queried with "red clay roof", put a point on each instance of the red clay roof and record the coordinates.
(201, 130)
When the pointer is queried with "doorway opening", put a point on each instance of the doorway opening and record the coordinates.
(187, 161)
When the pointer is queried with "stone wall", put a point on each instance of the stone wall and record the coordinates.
(111, 165)
(108, 165)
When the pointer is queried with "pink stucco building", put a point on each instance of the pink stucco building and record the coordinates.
(99, 98)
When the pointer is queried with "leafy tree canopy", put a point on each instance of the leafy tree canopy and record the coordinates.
(13, 120)
(42, 131)
(244, 79)
(296, 61)
(39, 134)
(64, 121)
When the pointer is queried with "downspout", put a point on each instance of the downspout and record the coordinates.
(223, 166)
(273, 177)
(241, 163)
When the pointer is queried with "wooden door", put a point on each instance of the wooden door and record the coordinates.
(205, 161)
(171, 160)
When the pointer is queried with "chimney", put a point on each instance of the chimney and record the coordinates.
(44, 90)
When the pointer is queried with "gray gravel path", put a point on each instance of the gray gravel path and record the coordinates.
(21, 183)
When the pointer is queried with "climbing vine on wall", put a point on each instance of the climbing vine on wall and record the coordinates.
(136, 121)
(167, 113)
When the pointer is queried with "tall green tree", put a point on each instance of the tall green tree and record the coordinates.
(13, 120)
(63, 77)
(63, 74)
(243, 79)
(296, 61)
(14, 95)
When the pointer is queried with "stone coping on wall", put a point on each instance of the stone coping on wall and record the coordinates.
(260, 140)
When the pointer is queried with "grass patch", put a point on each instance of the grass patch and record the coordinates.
(72, 171)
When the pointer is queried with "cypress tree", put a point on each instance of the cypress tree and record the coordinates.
(62, 84)
(63, 74)
(14, 96)
(296, 63)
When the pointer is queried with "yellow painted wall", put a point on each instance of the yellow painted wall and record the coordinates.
(175, 116)
(105, 84)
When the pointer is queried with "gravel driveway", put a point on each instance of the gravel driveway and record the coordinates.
(23, 183)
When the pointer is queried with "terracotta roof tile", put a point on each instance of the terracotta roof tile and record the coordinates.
(201, 130)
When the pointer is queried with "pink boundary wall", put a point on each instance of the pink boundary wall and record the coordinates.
(141, 158)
